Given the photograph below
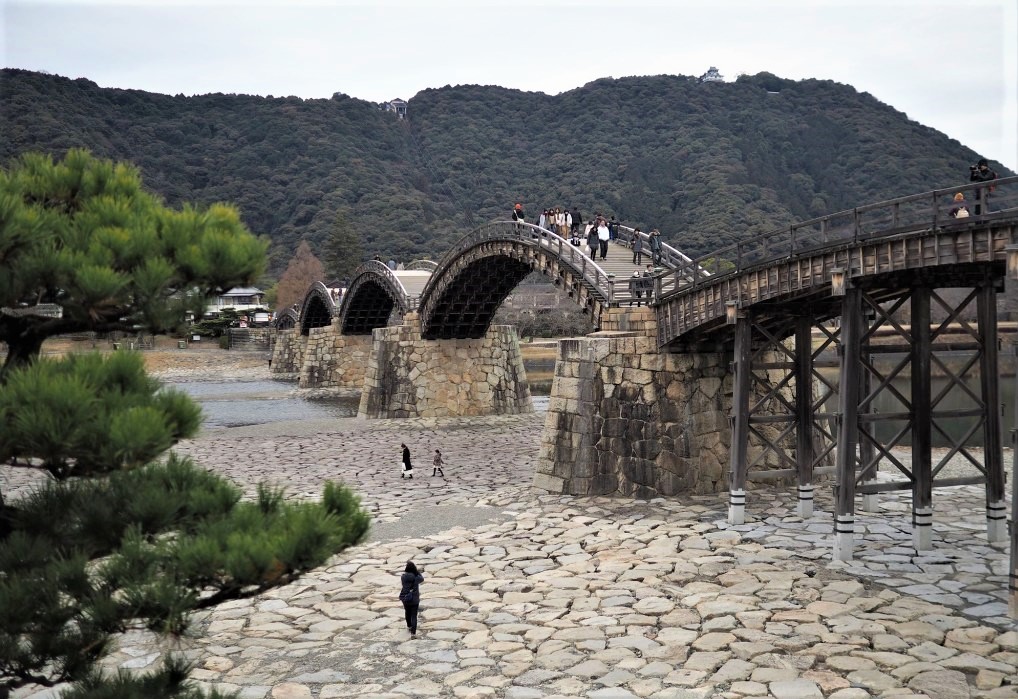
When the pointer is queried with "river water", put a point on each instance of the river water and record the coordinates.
(240, 403)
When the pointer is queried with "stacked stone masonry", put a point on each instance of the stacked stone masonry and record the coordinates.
(408, 376)
(288, 353)
(627, 419)
(334, 360)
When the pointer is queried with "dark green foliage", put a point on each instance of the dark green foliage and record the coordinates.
(82, 239)
(707, 164)
(90, 413)
(343, 251)
(58, 606)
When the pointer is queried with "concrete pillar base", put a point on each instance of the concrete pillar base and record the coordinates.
(996, 521)
(737, 507)
(844, 537)
(922, 529)
(805, 501)
(870, 501)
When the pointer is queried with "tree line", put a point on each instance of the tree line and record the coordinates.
(707, 163)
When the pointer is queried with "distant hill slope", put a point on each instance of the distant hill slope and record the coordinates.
(707, 163)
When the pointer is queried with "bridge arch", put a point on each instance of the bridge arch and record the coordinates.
(374, 293)
(286, 320)
(318, 308)
(474, 278)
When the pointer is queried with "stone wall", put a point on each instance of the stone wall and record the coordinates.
(408, 376)
(627, 419)
(288, 353)
(333, 360)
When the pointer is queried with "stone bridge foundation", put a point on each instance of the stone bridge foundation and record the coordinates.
(288, 353)
(334, 360)
(408, 376)
(625, 418)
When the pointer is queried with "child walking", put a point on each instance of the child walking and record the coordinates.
(437, 464)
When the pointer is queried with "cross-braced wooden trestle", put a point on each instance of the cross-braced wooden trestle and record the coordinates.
(901, 383)
(775, 405)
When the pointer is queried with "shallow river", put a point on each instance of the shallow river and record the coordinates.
(238, 403)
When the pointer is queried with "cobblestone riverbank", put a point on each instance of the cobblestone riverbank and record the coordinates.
(532, 596)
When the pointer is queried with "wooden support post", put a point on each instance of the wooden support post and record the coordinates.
(993, 452)
(739, 452)
(804, 413)
(848, 429)
(922, 422)
(1013, 579)
(866, 450)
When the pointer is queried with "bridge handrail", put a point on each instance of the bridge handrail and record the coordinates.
(421, 266)
(382, 269)
(534, 235)
(671, 257)
(915, 212)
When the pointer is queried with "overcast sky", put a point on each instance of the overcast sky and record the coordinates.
(949, 65)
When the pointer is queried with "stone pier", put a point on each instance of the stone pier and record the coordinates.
(408, 376)
(625, 418)
(334, 360)
(288, 353)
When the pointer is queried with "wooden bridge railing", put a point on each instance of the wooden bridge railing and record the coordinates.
(602, 283)
(912, 214)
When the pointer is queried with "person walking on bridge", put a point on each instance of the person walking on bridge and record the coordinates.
(655, 246)
(603, 236)
(577, 221)
(592, 242)
(637, 247)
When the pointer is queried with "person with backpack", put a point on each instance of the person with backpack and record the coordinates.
(410, 595)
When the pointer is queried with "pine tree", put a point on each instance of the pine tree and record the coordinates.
(303, 270)
(85, 248)
(344, 251)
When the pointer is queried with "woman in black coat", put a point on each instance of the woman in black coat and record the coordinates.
(408, 468)
(410, 595)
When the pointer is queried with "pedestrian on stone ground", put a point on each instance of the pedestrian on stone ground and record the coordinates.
(410, 595)
(437, 464)
(637, 247)
(408, 468)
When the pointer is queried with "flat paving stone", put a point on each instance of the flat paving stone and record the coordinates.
(532, 595)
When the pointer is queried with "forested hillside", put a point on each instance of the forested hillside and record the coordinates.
(707, 163)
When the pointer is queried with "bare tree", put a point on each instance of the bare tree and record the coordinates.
(304, 270)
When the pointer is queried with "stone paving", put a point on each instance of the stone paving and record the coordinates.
(528, 595)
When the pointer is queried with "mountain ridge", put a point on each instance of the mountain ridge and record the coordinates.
(707, 163)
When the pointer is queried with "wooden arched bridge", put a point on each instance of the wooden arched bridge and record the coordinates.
(771, 352)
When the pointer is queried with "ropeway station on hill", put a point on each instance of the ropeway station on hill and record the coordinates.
(801, 358)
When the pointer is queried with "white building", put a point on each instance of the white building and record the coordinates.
(240, 299)
(398, 106)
